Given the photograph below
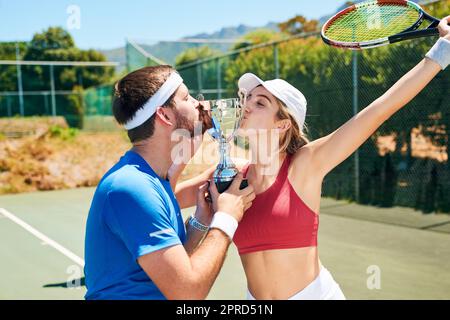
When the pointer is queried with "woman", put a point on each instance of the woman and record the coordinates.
(277, 237)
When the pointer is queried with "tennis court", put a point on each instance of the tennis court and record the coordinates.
(43, 240)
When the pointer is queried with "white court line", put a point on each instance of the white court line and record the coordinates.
(69, 254)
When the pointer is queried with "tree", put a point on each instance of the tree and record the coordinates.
(203, 75)
(195, 54)
(54, 44)
(54, 38)
(255, 37)
(259, 61)
(299, 24)
(8, 74)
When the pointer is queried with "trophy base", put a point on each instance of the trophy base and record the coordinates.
(223, 186)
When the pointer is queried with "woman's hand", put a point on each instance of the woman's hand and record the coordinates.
(444, 28)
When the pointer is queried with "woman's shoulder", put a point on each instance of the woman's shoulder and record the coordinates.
(302, 157)
(303, 165)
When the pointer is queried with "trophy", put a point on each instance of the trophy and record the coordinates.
(226, 116)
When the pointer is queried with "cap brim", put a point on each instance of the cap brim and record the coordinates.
(249, 81)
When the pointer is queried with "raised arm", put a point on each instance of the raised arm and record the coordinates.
(329, 151)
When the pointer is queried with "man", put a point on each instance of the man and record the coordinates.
(137, 246)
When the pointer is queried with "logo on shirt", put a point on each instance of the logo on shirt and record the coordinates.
(157, 233)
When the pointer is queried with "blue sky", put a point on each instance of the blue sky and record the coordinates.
(105, 24)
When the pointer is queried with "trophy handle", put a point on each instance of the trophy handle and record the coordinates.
(223, 186)
(214, 132)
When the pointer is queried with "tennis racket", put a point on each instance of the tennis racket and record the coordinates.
(372, 24)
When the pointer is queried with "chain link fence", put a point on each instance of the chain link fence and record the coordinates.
(54, 88)
(404, 163)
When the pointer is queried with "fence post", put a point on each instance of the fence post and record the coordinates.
(52, 85)
(276, 61)
(105, 104)
(8, 106)
(19, 81)
(355, 111)
(80, 79)
(219, 79)
(44, 95)
(199, 78)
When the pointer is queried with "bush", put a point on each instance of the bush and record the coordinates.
(63, 133)
(73, 110)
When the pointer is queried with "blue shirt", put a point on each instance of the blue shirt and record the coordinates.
(133, 213)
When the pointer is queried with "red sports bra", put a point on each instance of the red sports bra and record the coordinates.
(277, 219)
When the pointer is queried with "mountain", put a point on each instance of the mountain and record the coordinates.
(116, 55)
(168, 51)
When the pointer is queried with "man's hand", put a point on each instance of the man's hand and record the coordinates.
(233, 201)
(203, 213)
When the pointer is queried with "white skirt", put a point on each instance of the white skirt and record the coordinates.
(322, 288)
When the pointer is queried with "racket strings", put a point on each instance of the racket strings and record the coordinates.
(371, 22)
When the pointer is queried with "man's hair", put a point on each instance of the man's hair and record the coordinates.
(133, 91)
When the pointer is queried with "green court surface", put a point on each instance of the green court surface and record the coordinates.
(42, 246)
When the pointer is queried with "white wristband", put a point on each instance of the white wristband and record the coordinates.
(440, 53)
(224, 222)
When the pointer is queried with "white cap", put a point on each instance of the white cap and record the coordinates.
(281, 89)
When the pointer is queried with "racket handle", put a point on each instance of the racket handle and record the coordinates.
(413, 35)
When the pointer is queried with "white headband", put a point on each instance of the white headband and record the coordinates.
(157, 100)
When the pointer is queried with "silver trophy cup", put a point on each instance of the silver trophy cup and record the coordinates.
(226, 118)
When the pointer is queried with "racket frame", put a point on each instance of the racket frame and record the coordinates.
(409, 33)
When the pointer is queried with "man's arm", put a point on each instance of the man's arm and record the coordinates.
(180, 277)
(203, 211)
(203, 214)
(186, 191)
(193, 238)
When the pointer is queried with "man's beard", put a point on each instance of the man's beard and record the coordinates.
(185, 123)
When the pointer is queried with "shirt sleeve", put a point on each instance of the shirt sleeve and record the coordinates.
(141, 219)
